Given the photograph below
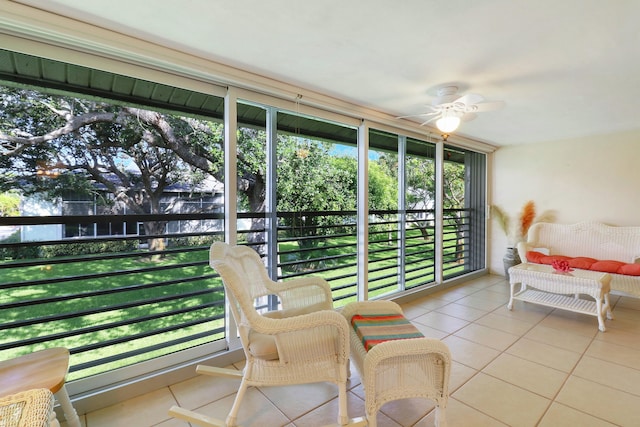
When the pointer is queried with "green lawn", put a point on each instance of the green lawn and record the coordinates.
(131, 309)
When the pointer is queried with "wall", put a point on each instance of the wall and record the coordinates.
(594, 178)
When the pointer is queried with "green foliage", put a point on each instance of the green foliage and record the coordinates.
(192, 241)
(9, 204)
(77, 249)
(19, 252)
(383, 188)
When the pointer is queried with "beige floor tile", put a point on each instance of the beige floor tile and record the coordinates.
(628, 302)
(327, 414)
(430, 332)
(614, 353)
(494, 294)
(255, 410)
(455, 293)
(460, 374)
(202, 389)
(442, 322)
(296, 400)
(626, 320)
(412, 311)
(63, 422)
(530, 313)
(431, 304)
(460, 415)
(600, 401)
(559, 338)
(489, 337)
(609, 374)
(357, 409)
(562, 416)
(481, 303)
(531, 376)
(487, 281)
(620, 337)
(460, 311)
(407, 412)
(174, 422)
(544, 354)
(468, 353)
(146, 410)
(500, 289)
(507, 403)
(568, 321)
(505, 324)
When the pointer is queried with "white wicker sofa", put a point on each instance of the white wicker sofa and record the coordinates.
(589, 245)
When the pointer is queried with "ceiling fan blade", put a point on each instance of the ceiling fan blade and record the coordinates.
(470, 98)
(418, 115)
(489, 106)
(467, 117)
(430, 120)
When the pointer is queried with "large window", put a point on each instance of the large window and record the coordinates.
(108, 255)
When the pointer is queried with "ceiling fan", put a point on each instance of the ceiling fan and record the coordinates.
(449, 108)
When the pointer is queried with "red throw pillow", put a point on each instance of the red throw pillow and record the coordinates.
(630, 269)
(549, 259)
(581, 262)
(534, 256)
(608, 266)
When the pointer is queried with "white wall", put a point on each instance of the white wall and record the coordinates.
(595, 178)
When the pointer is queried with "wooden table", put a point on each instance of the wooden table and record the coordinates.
(41, 369)
(541, 284)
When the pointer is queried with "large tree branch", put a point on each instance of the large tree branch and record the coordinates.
(16, 142)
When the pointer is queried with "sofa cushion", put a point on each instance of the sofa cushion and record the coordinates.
(534, 256)
(550, 259)
(582, 262)
(607, 266)
(630, 269)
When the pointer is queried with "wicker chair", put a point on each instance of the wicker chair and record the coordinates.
(306, 341)
(30, 408)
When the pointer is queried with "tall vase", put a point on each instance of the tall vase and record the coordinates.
(510, 259)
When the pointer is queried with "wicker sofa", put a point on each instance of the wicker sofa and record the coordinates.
(589, 245)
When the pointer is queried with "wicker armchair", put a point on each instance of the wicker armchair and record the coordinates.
(306, 341)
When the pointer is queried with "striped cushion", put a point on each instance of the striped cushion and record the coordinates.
(373, 329)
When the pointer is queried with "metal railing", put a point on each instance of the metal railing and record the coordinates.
(114, 302)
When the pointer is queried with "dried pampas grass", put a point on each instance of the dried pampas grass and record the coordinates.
(526, 219)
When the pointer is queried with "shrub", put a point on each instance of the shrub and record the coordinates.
(75, 249)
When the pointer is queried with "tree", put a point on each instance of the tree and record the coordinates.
(53, 144)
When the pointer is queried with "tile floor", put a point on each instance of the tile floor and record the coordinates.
(532, 366)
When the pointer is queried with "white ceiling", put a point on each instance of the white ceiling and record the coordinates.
(565, 68)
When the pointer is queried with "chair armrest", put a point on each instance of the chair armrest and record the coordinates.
(309, 336)
(308, 293)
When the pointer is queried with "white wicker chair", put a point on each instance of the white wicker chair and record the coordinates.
(304, 342)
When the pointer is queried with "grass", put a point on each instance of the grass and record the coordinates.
(79, 320)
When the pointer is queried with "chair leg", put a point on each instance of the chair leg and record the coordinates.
(343, 414)
(233, 413)
(195, 418)
(70, 413)
(441, 418)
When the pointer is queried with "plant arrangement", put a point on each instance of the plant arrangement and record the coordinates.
(517, 231)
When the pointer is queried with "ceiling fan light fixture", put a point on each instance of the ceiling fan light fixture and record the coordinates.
(448, 122)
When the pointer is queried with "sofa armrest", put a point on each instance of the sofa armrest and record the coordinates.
(523, 248)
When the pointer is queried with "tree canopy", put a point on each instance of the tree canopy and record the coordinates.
(51, 145)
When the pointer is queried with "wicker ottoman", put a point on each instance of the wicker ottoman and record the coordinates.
(397, 366)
